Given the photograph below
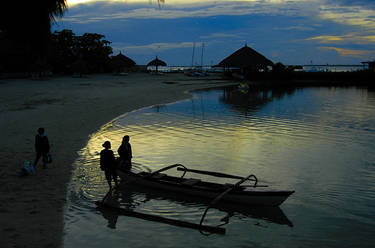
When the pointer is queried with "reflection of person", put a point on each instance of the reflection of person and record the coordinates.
(110, 215)
(41, 147)
(125, 152)
(108, 164)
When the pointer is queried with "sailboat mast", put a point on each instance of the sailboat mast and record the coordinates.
(192, 57)
(202, 56)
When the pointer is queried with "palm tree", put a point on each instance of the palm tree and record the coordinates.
(15, 14)
(27, 24)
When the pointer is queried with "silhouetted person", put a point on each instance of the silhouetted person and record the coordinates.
(41, 147)
(125, 152)
(108, 164)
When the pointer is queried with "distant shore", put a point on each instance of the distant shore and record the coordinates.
(310, 79)
(70, 109)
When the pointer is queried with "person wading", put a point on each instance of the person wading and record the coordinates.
(108, 164)
(125, 152)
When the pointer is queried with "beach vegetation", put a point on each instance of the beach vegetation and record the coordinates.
(25, 32)
(87, 53)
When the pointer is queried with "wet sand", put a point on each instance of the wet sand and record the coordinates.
(70, 109)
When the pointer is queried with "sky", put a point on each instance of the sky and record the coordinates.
(288, 31)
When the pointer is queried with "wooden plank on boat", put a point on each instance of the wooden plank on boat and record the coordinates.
(180, 223)
(158, 176)
(191, 181)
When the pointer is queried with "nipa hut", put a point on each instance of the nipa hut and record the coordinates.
(247, 60)
(120, 62)
(157, 62)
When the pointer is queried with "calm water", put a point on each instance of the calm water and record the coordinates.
(316, 141)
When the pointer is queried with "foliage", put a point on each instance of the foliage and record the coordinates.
(25, 31)
(67, 49)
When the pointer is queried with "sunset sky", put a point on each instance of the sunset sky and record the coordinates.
(287, 31)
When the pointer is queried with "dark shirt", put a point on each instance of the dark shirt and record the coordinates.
(41, 144)
(125, 152)
(107, 160)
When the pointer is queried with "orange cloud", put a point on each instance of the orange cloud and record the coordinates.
(352, 38)
(349, 52)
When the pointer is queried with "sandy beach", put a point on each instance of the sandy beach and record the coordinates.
(70, 109)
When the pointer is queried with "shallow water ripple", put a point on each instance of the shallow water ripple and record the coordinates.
(316, 141)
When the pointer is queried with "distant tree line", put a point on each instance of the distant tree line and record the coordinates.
(65, 53)
(28, 46)
(70, 53)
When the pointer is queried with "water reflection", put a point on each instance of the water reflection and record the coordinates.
(123, 198)
(248, 101)
(316, 141)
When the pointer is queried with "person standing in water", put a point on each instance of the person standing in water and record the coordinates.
(41, 147)
(125, 152)
(108, 164)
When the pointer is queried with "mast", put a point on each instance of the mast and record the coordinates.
(192, 57)
(202, 56)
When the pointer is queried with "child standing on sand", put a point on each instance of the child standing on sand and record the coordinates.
(41, 147)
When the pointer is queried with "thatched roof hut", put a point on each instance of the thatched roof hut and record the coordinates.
(156, 62)
(120, 62)
(246, 58)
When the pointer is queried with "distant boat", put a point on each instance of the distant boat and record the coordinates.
(194, 72)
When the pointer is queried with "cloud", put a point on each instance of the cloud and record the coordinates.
(362, 16)
(346, 12)
(296, 28)
(173, 9)
(150, 48)
(220, 35)
(349, 52)
(352, 38)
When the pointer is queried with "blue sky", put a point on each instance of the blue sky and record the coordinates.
(287, 31)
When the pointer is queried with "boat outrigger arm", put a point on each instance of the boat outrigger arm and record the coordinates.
(218, 198)
(181, 167)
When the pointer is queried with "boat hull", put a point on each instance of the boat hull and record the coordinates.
(248, 196)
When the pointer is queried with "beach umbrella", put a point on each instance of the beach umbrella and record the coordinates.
(157, 62)
(246, 57)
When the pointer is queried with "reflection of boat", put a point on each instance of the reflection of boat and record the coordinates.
(110, 209)
(271, 214)
(128, 197)
(253, 195)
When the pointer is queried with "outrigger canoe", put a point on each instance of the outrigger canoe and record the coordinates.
(251, 195)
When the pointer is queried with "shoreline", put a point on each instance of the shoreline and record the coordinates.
(71, 109)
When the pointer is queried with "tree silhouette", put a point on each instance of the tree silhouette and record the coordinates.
(26, 25)
(90, 49)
